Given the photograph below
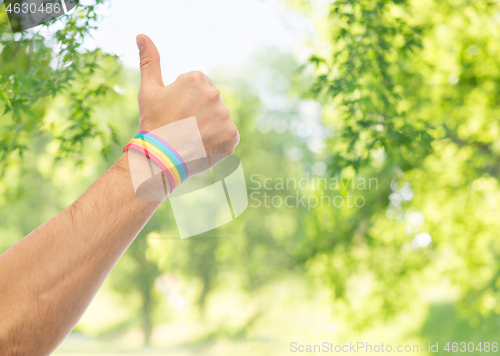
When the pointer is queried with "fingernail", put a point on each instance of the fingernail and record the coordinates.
(140, 42)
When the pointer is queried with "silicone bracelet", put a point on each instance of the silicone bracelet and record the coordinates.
(163, 154)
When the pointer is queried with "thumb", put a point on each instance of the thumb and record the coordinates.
(150, 63)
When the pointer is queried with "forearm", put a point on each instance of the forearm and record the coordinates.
(48, 279)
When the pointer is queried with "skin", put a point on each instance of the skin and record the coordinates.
(48, 279)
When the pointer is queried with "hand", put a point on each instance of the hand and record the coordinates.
(192, 94)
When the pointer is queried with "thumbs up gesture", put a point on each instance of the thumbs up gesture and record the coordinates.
(191, 95)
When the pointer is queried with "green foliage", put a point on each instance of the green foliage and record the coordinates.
(369, 77)
(35, 67)
(411, 89)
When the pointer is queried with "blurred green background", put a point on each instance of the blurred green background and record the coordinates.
(400, 94)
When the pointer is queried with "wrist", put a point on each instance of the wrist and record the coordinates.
(160, 160)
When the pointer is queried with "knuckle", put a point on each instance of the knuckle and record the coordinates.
(195, 76)
(235, 132)
(224, 113)
(214, 93)
(232, 131)
(146, 61)
(181, 77)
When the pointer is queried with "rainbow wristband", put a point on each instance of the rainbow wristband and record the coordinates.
(163, 154)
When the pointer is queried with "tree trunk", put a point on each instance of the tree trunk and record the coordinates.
(147, 323)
